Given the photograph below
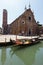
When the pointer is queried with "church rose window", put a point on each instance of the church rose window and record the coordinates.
(23, 22)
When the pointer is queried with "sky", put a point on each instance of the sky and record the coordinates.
(16, 7)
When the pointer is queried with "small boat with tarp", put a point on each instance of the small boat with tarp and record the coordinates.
(25, 41)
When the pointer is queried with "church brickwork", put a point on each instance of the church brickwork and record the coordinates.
(23, 25)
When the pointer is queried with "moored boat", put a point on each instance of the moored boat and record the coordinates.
(6, 43)
(23, 42)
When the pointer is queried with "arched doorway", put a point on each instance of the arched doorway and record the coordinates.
(29, 32)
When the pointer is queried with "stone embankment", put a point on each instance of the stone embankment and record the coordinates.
(6, 38)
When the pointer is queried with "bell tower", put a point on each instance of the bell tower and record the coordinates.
(4, 25)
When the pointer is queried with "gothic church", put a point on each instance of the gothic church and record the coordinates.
(25, 24)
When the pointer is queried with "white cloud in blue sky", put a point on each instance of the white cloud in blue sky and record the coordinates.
(16, 7)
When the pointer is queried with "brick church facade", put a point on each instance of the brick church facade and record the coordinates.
(25, 24)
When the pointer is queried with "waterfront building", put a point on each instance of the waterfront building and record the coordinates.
(1, 31)
(25, 24)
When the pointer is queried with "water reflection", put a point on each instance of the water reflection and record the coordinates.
(3, 55)
(27, 55)
(30, 55)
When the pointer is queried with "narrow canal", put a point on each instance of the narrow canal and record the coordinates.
(31, 55)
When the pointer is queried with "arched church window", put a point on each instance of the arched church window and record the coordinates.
(29, 18)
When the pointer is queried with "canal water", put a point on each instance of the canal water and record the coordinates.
(14, 55)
